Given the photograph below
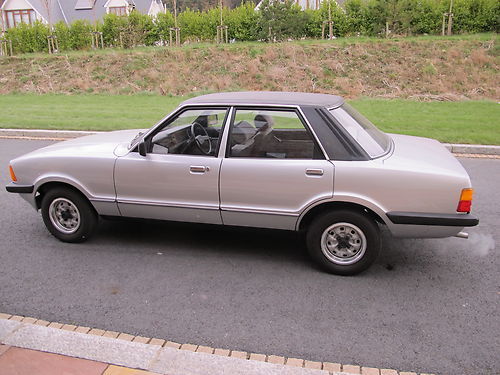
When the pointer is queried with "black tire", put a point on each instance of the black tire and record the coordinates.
(349, 231)
(81, 222)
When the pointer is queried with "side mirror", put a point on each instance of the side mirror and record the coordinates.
(142, 148)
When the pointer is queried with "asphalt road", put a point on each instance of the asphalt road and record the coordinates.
(426, 305)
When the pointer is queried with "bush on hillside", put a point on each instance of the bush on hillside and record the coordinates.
(29, 38)
(280, 20)
(275, 20)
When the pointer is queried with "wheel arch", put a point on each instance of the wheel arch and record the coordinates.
(48, 185)
(306, 218)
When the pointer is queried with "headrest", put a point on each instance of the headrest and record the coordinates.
(263, 121)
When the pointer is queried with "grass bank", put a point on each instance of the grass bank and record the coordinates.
(418, 68)
(476, 122)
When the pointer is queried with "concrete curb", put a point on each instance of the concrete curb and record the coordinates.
(68, 134)
(158, 355)
(472, 149)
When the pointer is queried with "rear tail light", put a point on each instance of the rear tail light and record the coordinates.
(465, 202)
(12, 174)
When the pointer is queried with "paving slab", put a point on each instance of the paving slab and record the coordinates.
(18, 361)
(74, 344)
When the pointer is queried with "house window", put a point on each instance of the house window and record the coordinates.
(15, 17)
(119, 11)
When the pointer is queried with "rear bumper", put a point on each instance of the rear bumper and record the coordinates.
(21, 189)
(446, 220)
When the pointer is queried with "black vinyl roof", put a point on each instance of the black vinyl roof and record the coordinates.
(268, 97)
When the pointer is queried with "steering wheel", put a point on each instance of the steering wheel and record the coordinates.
(201, 139)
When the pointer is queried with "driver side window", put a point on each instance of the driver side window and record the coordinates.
(192, 132)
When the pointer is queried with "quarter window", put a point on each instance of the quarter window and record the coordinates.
(192, 132)
(278, 134)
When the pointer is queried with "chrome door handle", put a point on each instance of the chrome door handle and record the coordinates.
(198, 169)
(314, 172)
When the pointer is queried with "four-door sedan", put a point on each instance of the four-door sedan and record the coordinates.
(293, 161)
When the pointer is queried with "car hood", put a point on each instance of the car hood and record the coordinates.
(99, 144)
(423, 155)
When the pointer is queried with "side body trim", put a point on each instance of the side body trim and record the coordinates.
(419, 218)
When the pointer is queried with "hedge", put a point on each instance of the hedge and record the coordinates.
(275, 20)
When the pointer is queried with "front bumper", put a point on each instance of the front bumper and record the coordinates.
(446, 220)
(20, 189)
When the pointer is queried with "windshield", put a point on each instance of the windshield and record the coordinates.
(373, 141)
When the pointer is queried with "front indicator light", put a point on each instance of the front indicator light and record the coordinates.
(12, 174)
(464, 205)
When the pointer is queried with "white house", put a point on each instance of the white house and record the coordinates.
(14, 12)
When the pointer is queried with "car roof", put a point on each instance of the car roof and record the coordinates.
(269, 98)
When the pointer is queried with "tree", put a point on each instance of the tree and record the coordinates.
(281, 20)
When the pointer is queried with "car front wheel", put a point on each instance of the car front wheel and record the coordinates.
(343, 242)
(68, 215)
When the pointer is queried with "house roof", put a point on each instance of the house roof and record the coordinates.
(72, 13)
(268, 97)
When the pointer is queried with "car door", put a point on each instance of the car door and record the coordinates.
(176, 179)
(273, 169)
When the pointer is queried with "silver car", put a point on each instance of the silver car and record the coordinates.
(292, 161)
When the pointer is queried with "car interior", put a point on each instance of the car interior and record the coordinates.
(257, 138)
(263, 139)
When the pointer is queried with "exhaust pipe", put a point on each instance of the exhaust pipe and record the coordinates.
(462, 235)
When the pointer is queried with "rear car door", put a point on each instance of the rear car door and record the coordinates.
(272, 170)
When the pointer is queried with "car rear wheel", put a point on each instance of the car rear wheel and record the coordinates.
(68, 215)
(343, 242)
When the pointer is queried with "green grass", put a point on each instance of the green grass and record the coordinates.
(476, 122)
(84, 112)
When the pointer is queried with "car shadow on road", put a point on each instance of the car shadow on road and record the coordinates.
(194, 240)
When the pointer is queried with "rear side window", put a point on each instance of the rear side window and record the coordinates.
(373, 141)
(276, 134)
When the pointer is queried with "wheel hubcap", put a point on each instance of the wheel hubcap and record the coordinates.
(64, 215)
(343, 243)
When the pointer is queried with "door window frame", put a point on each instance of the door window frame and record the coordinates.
(296, 109)
(172, 116)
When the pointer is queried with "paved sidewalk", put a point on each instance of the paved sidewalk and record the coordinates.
(19, 361)
(67, 134)
(36, 347)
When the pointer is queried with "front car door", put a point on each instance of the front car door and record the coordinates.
(273, 168)
(178, 179)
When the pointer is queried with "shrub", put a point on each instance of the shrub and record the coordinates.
(281, 20)
(111, 28)
(243, 22)
(29, 38)
(77, 36)
(162, 25)
(317, 17)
